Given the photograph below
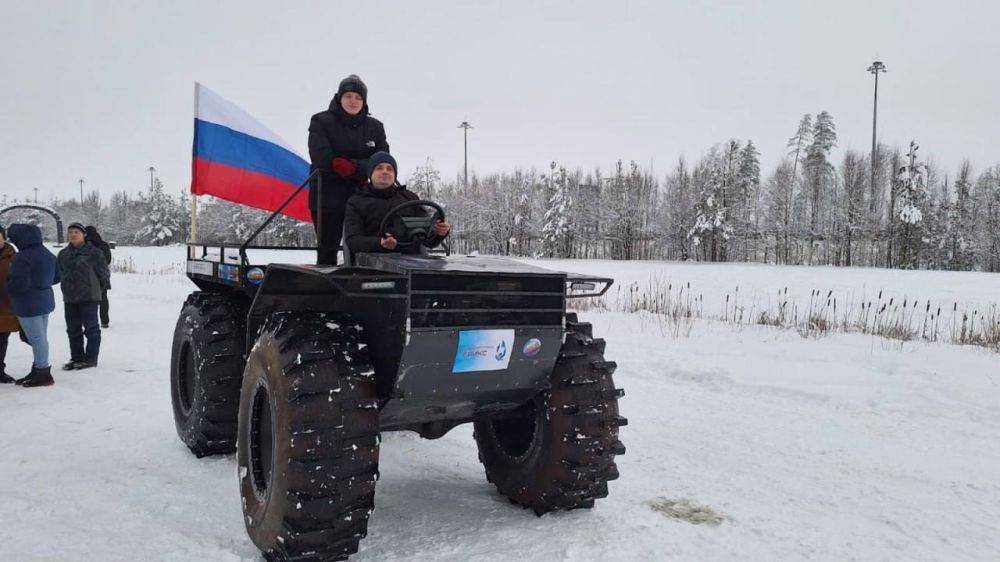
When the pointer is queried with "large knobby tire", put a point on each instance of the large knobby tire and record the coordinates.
(558, 451)
(206, 368)
(308, 437)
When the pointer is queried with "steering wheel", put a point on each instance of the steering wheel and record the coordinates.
(410, 232)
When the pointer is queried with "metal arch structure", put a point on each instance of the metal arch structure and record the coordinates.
(55, 216)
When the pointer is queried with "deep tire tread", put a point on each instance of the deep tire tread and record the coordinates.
(332, 409)
(582, 413)
(214, 326)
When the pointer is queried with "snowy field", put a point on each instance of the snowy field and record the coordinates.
(847, 447)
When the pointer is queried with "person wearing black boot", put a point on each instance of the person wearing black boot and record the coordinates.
(8, 321)
(94, 238)
(341, 140)
(85, 277)
(33, 271)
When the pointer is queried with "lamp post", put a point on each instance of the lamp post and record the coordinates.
(81, 195)
(151, 171)
(465, 133)
(875, 68)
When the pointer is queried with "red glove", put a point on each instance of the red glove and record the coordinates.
(343, 167)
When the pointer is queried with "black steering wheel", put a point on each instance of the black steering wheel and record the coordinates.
(410, 232)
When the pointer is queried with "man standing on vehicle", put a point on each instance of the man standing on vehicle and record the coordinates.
(341, 140)
(366, 210)
(85, 277)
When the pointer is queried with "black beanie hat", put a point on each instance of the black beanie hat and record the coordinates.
(77, 226)
(353, 84)
(381, 157)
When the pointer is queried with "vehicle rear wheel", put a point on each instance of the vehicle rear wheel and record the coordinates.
(558, 451)
(206, 368)
(308, 438)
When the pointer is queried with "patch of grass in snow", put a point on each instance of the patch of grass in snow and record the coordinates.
(912, 319)
(686, 510)
(123, 266)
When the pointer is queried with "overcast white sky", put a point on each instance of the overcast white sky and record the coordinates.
(102, 90)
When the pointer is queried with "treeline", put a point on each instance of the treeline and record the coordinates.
(897, 211)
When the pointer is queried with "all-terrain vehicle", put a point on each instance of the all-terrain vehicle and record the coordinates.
(298, 368)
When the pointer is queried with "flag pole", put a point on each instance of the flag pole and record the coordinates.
(193, 234)
(193, 237)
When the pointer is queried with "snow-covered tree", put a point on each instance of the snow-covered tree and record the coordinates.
(819, 171)
(779, 201)
(987, 197)
(962, 227)
(557, 225)
(425, 180)
(911, 198)
(747, 204)
(711, 229)
(160, 224)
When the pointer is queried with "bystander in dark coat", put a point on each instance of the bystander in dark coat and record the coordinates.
(33, 271)
(85, 278)
(94, 237)
(8, 320)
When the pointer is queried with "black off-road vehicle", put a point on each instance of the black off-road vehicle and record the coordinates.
(298, 368)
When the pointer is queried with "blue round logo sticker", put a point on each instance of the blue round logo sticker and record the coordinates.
(255, 276)
(532, 347)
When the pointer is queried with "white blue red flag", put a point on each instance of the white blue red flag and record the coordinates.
(238, 159)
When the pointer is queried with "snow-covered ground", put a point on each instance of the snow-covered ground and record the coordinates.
(848, 447)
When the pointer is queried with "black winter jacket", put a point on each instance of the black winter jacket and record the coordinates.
(84, 273)
(335, 133)
(365, 212)
(95, 238)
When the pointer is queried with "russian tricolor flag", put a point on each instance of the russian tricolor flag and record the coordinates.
(240, 160)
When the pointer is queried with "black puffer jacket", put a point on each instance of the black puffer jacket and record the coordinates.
(335, 133)
(365, 212)
(84, 273)
(94, 238)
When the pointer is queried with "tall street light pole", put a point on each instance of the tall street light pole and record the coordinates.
(36, 195)
(81, 195)
(466, 126)
(151, 170)
(875, 68)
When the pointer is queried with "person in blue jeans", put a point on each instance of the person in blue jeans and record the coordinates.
(85, 278)
(33, 272)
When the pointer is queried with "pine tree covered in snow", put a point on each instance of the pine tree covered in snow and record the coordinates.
(711, 229)
(961, 230)
(748, 198)
(558, 227)
(819, 173)
(987, 197)
(160, 224)
(911, 187)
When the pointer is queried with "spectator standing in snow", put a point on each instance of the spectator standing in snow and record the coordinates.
(94, 238)
(366, 210)
(8, 321)
(341, 140)
(33, 271)
(85, 278)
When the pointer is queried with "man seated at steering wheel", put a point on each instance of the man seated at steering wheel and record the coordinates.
(367, 210)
